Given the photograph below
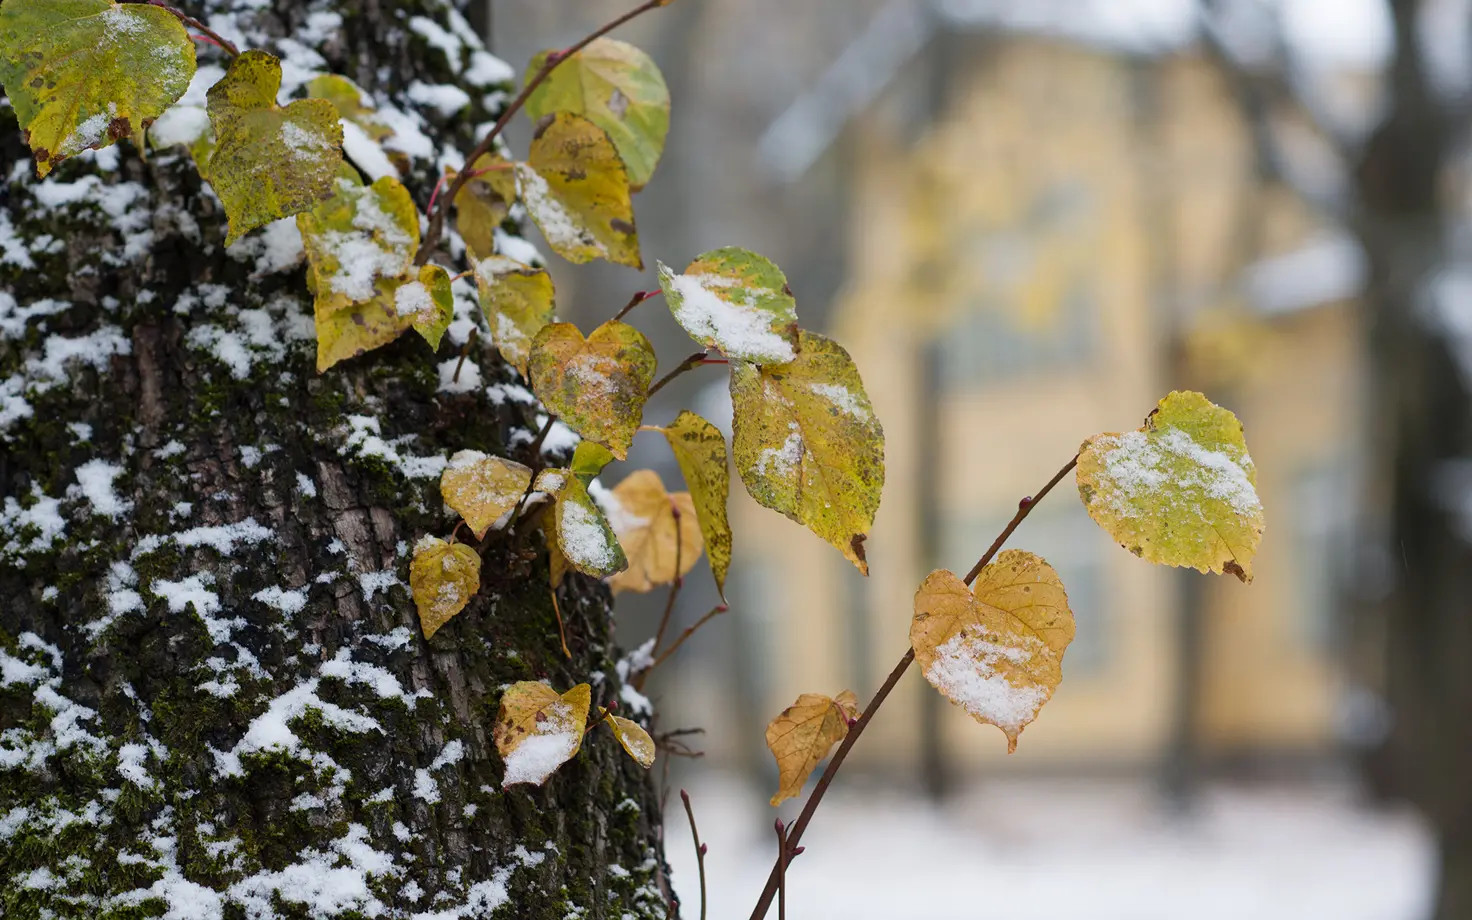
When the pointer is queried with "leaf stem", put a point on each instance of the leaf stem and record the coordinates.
(464, 350)
(531, 486)
(561, 632)
(699, 848)
(774, 879)
(437, 214)
(689, 363)
(638, 298)
(192, 23)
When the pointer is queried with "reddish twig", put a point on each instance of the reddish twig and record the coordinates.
(693, 361)
(638, 298)
(561, 632)
(689, 631)
(464, 350)
(781, 870)
(190, 22)
(699, 849)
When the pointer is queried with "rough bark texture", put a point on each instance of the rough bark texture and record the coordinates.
(216, 700)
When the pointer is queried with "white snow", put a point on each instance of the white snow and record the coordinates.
(728, 318)
(965, 670)
(842, 397)
(365, 152)
(95, 480)
(444, 98)
(365, 439)
(782, 461)
(469, 381)
(488, 70)
(542, 752)
(583, 538)
(288, 602)
(1140, 464)
(559, 227)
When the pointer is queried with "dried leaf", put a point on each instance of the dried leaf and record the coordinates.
(583, 533)
(803, 735)
(634, 738)
(575, 188)
(596, 386)
(537, 730)
(517, 301)
(483, 203)
(82, 74)
(807, 443)
(1181, 490)
(270, 161)
(642, 515)
(617, 87)
(443, 577)
(996, 649)
(483, 489)
(737, 301)
(700, 449)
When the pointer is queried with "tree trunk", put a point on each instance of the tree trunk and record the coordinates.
(215, 698)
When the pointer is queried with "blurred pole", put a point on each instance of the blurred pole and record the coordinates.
(934, 776)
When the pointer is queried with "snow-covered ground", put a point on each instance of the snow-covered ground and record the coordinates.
(1062, 850)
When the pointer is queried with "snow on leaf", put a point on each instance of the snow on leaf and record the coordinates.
(803, 734)
(634, 739)
(642, 514)
(995, 649)
(598, 385)
(576, 189)
(270, 161)
(483, 203)
(583, 534)
(1181, 490)
(538, 730)
(700, 450)
(443, 577)
(802, 451)
(737, 301)
(517, 301)
(482, 488)
(83, 73)
(428, 302)
(618, 88)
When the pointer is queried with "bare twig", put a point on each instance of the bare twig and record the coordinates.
(561, 632)
(638, 298)
(699, 848)
(487, 144)
(464, 350)
(689, 631)
(531, 486)
(693, 361)
(192, 23)
(781, 870)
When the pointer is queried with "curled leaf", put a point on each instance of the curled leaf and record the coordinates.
(538, 730)
(443, 577)
(995, 649)
(642, 514)
(634, 739)
(803, 734)
(583, 534)
(483, 489)
(428, 302)
(577, 191)
(598, 385)
(517, 301)
(700, 450)
(737, 301)
(1181, 490)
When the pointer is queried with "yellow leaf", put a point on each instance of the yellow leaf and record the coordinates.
(1181, 490)
(737, 301)
(443, 577)
(803, 735)
(556, 564)
(619, 88)
(642, 515)
(596, 386)
(517, 301)
(482, 489)
(807, 443)
(351, 103)
(537, 730)
(583, 533)
(483, 203)
(270, 161)
(700, 449)
(575, 188)
(82, 74)
(360, 245)
(996, 649)
(634, 738)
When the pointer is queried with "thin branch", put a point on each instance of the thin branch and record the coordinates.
(689, 631)
(774, 879)
(781, 870)
(536, 466)
(675, 586)
(201, 28)
(561, 632)
(464, 350)
(699, 848)
(437, 214)
(638, 298)
(689, 363)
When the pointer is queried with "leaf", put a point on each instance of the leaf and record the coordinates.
(618, 88)
(588, 460)
(83, 73)
(597, 386)
(483, 489)
(351, 104)
(700, 450)
(483, 203)
(517, 301)
(803, 735)
(428, 303)
(576, 190)
(634, 738)
(1181, 490)
(807, 443)
(996, 649)
(583, 533)
(443, 577)
(538, 730)
(642, 514)
(737, 301)
(360, 244)
(270, 161)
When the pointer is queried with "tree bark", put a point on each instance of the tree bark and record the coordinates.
(216, 700)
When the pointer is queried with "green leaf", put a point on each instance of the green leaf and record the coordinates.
(1181, 490)
(443, 577)
(576, 190)
(618, 88)
(737, 301)
(360, 246)
(270, 161)
(596, 386)
(517, 301)
(588, 460)
(83, 73)
(807, 443)
(483, 203)
(700, 449)
(428, 303)
(583, 534)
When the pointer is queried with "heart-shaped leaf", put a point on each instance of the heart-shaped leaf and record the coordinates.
(538, 730)
(597, 386)
(482, 489)
(642, 515)
(737, 301)
(803, 734)
(443, 577)
(517, 301)
(575, 188)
